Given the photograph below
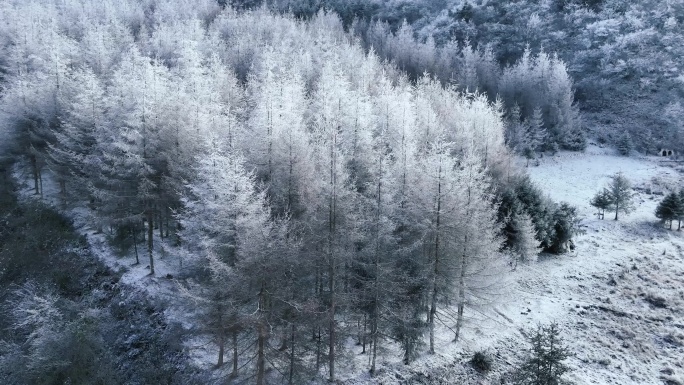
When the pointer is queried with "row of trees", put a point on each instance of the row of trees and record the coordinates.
(313, 193)
(618, 196)
(535, 87)
(613, 50)
(536, 90)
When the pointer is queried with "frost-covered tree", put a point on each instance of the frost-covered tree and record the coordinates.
(128, 180)
(297, 172)
(277, 142)
(448, 190)
(227, 222)
(525, 243)
(478, 237)
(72, 153)
(542, 82)
(624, 144)
(620, 190)
(332, 122)
(538, 137)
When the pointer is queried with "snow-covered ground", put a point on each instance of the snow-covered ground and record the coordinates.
(618, 298)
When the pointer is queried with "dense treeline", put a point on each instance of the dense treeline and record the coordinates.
(624, 56)
(313, 193)
(536, 89)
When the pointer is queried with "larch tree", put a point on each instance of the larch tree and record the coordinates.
(131, 163)
(478, 237)
(435, 200)
(228, 222)
(72, 153)
(315, 198)
(621, 193)
(331, 119)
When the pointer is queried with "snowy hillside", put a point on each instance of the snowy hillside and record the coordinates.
(307, 200)
(620, 296)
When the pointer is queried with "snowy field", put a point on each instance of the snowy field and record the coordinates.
(618, 298)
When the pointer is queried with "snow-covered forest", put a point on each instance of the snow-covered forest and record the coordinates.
(207, 192)
(624, 56)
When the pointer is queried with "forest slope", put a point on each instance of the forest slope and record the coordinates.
(617, 297)
(625, 57)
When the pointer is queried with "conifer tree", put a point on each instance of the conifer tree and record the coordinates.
(624, 143)
(544, 366)
(680, 212)
(537, 132)
(603, 200)
(621, 193)
(525, 243)
(670, 209)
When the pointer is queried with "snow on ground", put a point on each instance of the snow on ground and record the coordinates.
(618, 298)
(621, 293)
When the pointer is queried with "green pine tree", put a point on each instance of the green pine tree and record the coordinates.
(544, 366)
(602, 201)
(680, 211)
(625, 144)
(670, 209)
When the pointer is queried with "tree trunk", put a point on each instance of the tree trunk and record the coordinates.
(363, 340)
(433, 305)
(331, 327)
(235, 355)
(135, 244)
(318, 349)
(376, 268)
(331, 255)
(150, 244)
(167, 221)
(222, 347)
(461, 292)
(374, 330)
(261, 361)
(462, 273)
(161, 225)
(617, 209)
